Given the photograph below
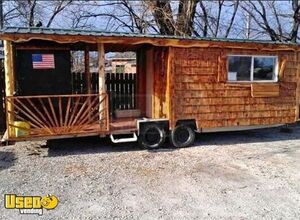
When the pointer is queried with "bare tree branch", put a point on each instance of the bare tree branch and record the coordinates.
(296, 22)
(205, 18)
(236, 5)
(58, 8)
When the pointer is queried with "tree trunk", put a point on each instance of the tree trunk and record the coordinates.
(163, 16)
(186, 15)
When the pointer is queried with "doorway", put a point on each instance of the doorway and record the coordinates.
(121, 82)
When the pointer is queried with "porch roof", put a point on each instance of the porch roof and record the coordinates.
(24, 34)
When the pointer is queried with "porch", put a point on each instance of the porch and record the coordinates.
(64, 116)
(45, 103)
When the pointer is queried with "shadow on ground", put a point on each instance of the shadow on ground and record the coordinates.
(249, 136)
(90, 145)
(7, 159)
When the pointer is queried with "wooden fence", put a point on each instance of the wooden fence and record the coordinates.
(121, 88)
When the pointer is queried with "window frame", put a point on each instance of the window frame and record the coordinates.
(276, 69)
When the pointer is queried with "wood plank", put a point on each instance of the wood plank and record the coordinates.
(38, 112)
(126, 92)
(67, 112)
(122, 91)
(55, 96)
(74, 110)
(265, 90)
(298, 88)
(127, 40)
(215, 93)
(244, 122)
(101, 75)
(42, 104)
(282, 68)
(168, 110)
(234, 108)
(87, 73)
(240, 115)
(87, 112)
(9, 81)
(233, 101)
(53, 112)
(196, 78)
(33, 47)
(130, 91)
(140, 87)
(184, 86)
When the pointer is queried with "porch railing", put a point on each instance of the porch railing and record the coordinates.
(57, 115)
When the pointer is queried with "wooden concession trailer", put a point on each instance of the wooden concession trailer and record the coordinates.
(182, 85)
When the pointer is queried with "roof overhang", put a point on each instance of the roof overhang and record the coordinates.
(64, 36)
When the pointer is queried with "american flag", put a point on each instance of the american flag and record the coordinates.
(43, 61)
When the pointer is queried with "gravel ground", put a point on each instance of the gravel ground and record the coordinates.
(245, 175)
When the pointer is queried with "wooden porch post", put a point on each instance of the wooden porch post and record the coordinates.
(297, 55)
(141, 81)
(9, 82)
(101, 79)
(169, 89)
(87, 69)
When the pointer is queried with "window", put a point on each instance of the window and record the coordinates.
(264, 68)
(120, 68)
(252, 68)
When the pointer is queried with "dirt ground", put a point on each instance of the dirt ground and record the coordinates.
(244, 175)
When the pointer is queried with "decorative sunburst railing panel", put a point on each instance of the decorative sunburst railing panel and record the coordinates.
(58, 114)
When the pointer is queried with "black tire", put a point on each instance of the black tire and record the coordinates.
(152, 136)
(182, 136)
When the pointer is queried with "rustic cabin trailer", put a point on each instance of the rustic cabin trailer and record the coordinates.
(182, 85)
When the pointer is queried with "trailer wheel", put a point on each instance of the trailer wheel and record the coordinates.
(182, 136)
(152, 136)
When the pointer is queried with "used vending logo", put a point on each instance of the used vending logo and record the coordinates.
(30, 204)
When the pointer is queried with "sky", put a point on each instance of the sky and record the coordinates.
(67, 18)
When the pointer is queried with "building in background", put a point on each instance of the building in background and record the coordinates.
(120, 65)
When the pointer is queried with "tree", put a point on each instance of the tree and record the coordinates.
(127, 15)
(170, 22)
(215, 19)
(269, 18)
(58, 7)
(277, 20)
(27, 10)
(30, 12)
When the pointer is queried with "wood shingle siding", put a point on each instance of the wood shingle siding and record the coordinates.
(201, 91)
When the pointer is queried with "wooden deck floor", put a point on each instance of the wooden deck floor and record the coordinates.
(123, 125)
(116, 126)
